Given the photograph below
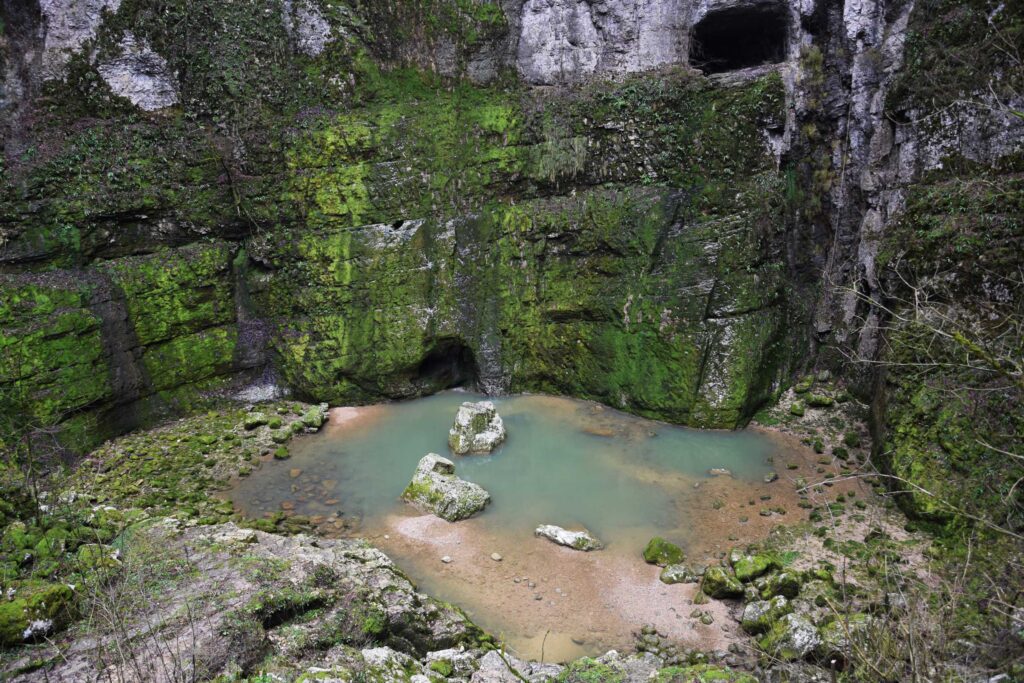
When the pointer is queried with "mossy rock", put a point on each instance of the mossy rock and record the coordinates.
(703, 673)
(678, 573)
(588, 670)
(804, 385)
(840, 634)
(759, 616)
(36, 608)
(719, 583)
(254, 420)
(663, 553)
(820, 401)
(750, 567)
(790, 638)
(797, 408)
(786, 584)
(282, 454)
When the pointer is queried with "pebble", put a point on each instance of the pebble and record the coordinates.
(287, 505)
(294, 473)
(538, 596)
(577, 641)
(496, 557)
(531, 584)
(446, 559)
(516, 579)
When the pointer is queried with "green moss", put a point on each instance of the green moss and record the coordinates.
(662, 553)
(721, 584)
(703, 673)
(587, 670)
(749, 567)
(442, 666)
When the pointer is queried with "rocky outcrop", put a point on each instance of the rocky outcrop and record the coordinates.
(118, 345)
(297, 589)
(139, 75)
(436, 489)
(577, 540)
(477, 429)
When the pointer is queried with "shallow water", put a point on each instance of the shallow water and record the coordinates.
(565, 462)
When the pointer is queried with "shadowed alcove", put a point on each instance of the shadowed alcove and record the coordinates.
(740, 37)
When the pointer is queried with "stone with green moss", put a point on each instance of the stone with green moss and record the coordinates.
(792, 637)
(435, 488)
(797, 409)
(34, 609)
(703, 673)
(749, 567)
(720, 583)
(758, 616)
(662, 553)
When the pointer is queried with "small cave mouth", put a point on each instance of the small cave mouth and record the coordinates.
(450, 363)
(740, 37)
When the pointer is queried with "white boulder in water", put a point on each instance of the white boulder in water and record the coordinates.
(478, 429)
(577, 540)
(435, 488)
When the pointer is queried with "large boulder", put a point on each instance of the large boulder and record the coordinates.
(577, 540)
(435, 488)
(478, 429)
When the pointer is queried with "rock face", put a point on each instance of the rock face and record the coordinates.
(436, 489)
(140, 75)
(577, 540)
(563, 41)
(657, 245)
(300, 589)
(478, 429)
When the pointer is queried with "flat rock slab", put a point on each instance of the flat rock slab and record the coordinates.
(577, 540)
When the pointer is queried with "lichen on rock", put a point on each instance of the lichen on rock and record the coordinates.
(435, 488)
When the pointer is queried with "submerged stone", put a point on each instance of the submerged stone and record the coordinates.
(662, 553)
(577, 540)
(478, 429)
(435, 488)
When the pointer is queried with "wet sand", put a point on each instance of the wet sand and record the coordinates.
(592, 602)
(580, 603)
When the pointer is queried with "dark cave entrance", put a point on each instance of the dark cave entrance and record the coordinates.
(740, 37)
(450, 363)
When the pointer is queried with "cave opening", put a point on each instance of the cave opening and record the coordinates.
(740, 37)
(450, 363)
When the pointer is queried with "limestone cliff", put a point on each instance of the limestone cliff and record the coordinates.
(666, 205)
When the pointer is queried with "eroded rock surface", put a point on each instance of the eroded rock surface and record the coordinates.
(478, 429)
(435, 488)
(140, 75)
